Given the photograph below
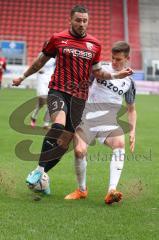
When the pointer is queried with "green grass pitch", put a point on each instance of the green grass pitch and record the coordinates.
(135, 218)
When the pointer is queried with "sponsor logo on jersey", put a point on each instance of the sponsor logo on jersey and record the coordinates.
(65, 42)
(110, 86)
(78, 53)
(89, 45)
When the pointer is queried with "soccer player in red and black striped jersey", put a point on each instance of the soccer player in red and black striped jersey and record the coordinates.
(77, 54)
(3, 64)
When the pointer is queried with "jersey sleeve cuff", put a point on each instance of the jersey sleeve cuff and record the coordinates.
(97, 66)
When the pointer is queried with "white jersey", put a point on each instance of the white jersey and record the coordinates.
(104, 102)
(112, 91)
(44, 77)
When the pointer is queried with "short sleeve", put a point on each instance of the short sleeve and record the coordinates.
(49, 48)
(97, 57)
(131, 93)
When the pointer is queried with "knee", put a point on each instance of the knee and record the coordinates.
(80, 152)
(119, 144)
(42, 102)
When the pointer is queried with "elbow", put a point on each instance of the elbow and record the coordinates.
(96, 74)
(38, 65)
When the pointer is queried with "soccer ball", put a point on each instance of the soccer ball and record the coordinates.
(43, 183)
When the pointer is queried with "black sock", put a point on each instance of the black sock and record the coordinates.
(51, 164)
(54, 147)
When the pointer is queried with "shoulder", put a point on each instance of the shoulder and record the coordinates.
(106, 66)
(63, 34)
(90, 38)
(131, 93)
(132, 83)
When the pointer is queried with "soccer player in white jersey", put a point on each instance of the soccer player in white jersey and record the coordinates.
(100, 121)
(43, 79)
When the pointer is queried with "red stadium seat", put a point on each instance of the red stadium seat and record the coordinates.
(35, 21)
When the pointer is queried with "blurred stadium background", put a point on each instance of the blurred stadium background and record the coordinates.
(26, 24)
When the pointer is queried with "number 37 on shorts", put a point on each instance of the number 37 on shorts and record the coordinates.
(55, 103)
(58, 105)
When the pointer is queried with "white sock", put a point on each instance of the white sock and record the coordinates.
(35, 112)
(46, 124)
(80, 169)
(116, 166)
(41, 169)
(47, 119)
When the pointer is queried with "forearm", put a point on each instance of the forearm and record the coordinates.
(132, 116)
(101, 74)
(36, 66)
(32, 69)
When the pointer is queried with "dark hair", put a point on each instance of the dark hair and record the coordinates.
(121, 46)
(78, 8)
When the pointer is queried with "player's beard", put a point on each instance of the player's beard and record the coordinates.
(77, 34)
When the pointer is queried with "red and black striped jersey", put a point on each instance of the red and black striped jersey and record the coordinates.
(3, 63)
(74, 60)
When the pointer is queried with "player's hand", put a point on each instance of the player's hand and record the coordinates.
(124, 73)
(17, 81)
(132, 141)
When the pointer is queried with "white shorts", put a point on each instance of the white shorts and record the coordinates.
(98, 122)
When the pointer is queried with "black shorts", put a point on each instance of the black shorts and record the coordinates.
(72, 106)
